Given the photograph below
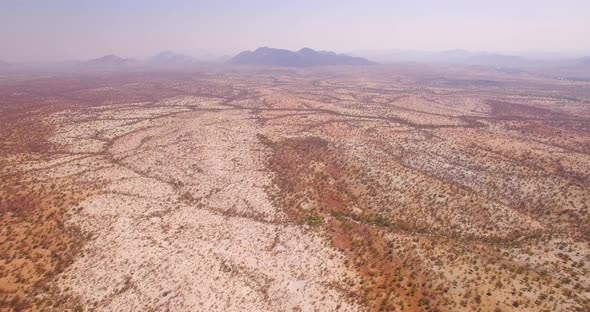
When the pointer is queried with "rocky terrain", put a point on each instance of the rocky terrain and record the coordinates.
(381, 188)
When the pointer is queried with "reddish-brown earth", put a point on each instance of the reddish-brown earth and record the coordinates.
(390, 188)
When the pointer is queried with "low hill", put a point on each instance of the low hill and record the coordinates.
(108, 61)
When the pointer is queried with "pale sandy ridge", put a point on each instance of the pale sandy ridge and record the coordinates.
(184, 221)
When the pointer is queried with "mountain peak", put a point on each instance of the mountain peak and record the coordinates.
(306, 50)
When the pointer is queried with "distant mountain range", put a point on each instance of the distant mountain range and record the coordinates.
(302, 58)
(553, 65)
(115, 62)
(487, 59)
(458, 57)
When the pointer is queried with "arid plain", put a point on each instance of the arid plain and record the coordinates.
(378, 188)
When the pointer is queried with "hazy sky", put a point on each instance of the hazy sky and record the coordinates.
(76, 29)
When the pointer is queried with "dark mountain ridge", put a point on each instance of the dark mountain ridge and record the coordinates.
(303, 58)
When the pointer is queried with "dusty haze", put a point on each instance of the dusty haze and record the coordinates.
(65, 30)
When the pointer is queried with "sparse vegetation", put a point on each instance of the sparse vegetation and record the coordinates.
(403, 191)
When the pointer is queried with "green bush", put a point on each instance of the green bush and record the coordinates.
(313, 219)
